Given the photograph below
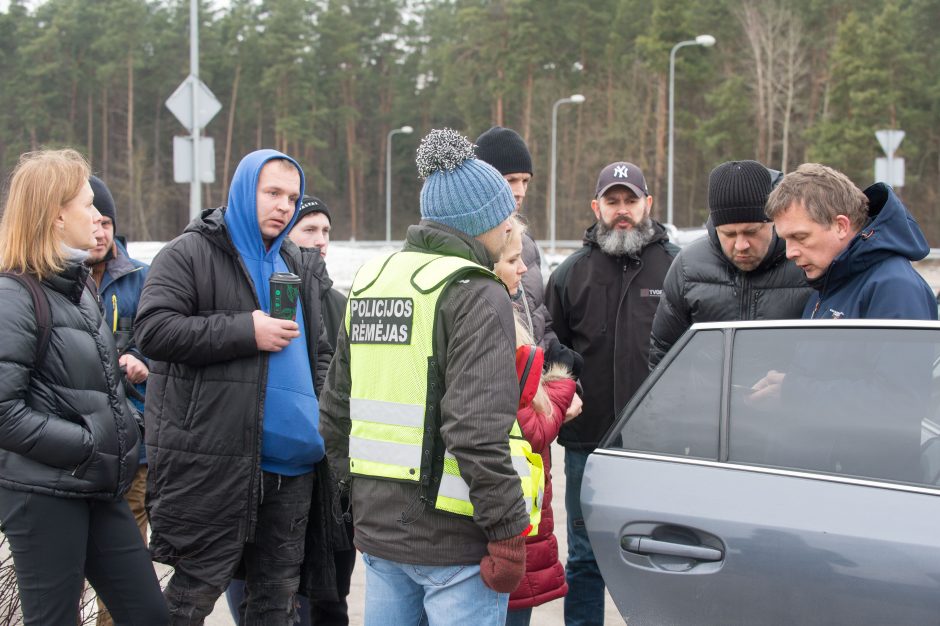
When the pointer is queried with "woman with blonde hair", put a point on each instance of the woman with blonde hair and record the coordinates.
(555, 402)
(68, 439)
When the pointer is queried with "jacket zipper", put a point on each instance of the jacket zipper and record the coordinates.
(253, 497)
(745, 299)
(623, 294)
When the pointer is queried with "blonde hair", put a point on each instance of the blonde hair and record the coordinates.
(518, 230)
(42, 183)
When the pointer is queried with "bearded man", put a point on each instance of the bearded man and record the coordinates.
(602, 300)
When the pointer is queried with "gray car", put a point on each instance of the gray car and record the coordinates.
(776, 473)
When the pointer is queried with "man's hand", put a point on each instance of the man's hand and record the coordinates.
(272, 334)
(134, 368)
(574, 409)
(768, 387)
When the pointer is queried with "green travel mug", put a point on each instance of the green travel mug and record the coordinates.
(285, 295)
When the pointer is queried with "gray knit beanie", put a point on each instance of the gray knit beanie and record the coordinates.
(737, 192)
(459, 190)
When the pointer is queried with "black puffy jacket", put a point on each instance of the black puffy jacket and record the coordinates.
(602, 307)
(65, 426)
(205, 396)
(704, 286)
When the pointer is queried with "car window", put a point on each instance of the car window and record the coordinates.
(679, 414)
(850, 401)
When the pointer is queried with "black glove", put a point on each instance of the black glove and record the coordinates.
(563, 355)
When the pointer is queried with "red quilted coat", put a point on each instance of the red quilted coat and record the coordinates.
(545, 575)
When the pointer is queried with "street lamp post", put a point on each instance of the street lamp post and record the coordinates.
(702, 40)
(404, 130)
(573, 99)
(195, 188)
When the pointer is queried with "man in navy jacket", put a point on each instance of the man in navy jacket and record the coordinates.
(855, 247)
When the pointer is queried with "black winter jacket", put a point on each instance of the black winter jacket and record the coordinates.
(65, 426)
(703, 285)
(602, 307)
(205, 396)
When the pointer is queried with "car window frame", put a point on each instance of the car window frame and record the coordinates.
(729, 330)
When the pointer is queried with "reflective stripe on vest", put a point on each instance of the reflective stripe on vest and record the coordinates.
(386, 438)
(390, 320)
(454, 492)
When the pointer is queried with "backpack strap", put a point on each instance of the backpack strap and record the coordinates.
(41, 308)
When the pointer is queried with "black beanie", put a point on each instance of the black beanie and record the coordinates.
(104, 202)
(737, 192)
(505, 150)
(312, 204)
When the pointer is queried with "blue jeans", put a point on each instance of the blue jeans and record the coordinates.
(584, 604)
(399, 594)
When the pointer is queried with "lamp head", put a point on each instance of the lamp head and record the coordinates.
(577, 98)
(705, 40)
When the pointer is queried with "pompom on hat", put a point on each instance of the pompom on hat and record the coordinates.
(460, 190)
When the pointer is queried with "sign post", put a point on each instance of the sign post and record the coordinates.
(194, 105)
(890, 169)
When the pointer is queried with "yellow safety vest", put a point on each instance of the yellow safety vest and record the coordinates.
(394, 399)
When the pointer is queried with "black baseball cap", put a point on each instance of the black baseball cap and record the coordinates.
(621, 173)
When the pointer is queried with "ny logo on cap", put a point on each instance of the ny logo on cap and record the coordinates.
(621, 171)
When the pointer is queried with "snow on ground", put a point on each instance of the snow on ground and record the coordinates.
(346, 257)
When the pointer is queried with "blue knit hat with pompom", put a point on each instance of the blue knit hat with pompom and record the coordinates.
(459, 190)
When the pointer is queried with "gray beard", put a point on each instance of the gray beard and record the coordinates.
(624, 242)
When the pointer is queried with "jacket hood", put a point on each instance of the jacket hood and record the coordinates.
(241, 215)
(776, 252)
(659, 235)
(438, 238)
(211, 225)
(891, 230)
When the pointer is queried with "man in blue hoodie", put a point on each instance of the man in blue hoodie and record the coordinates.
(232, 413)
(855, 247)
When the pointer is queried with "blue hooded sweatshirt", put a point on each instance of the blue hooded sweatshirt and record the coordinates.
(291, 443)
(873, 277)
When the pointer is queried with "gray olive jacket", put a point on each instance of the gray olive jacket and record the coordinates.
(475, 346)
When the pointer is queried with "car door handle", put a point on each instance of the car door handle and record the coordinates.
(645, 545)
